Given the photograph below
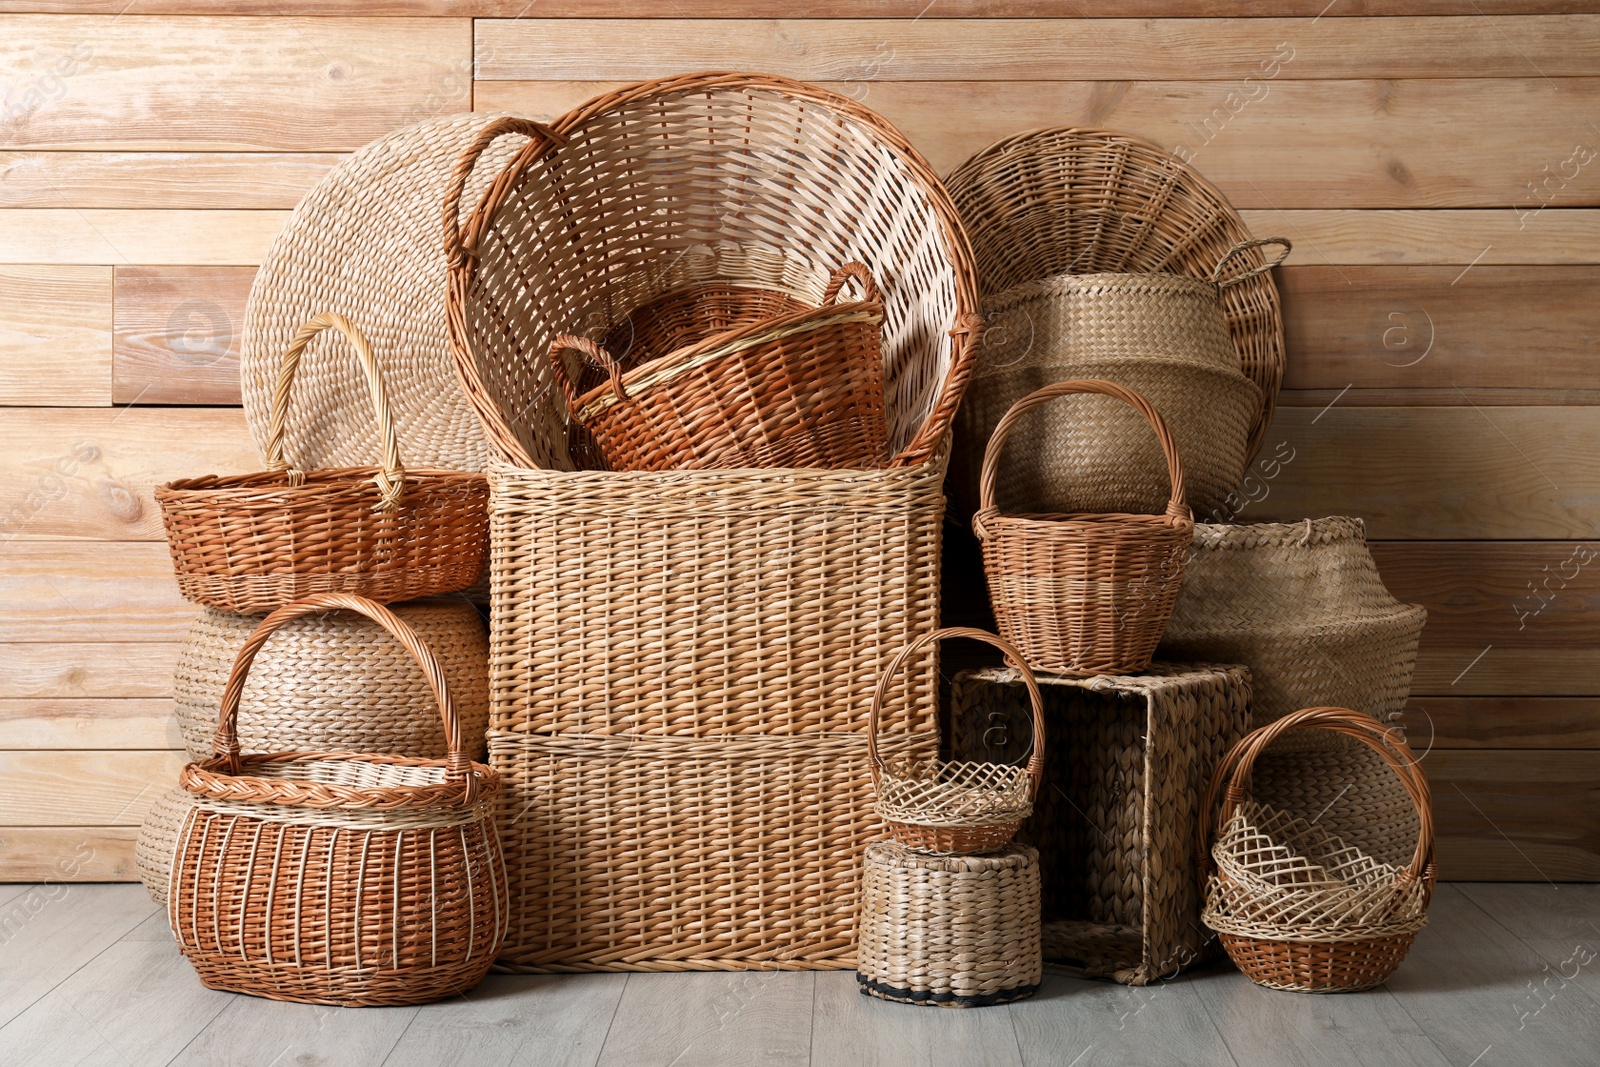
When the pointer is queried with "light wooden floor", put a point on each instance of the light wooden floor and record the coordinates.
(89, 976)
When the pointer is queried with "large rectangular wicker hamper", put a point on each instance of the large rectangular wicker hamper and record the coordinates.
(1126, 763)
(681, 667)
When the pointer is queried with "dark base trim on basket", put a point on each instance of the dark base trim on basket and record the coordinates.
(882, 991)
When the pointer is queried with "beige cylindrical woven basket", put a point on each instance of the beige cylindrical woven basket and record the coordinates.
(253, 542)
(1083, 593)
(953, 931)
(158, 838)
(1087, 201)
(336, 682)
(1296, 906)
(339, 878)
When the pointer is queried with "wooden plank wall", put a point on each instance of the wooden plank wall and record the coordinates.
(1435, 162)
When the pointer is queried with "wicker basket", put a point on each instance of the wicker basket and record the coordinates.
(954, 931)
(1298, 908)
(1087, 201)
(702, 179)
(957, 807)
(804, 389)
(1161, 335)
(250, 543)
(1083, 593)
(158, 838)
(336, 682)
(339, 878)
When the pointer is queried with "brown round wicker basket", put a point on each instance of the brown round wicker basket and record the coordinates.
(1297, 907)
(955, 807)
(250, 543)
(1083, 593)
(704, 179)
(339, 878)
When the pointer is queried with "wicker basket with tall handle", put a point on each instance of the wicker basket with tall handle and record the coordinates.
(1083, 593)
(249, 543)
(339, 878)
(1296, 907)
(955, 807)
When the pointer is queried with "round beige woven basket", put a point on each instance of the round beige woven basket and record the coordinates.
(365, 242)
(336, 682)
(158, 840)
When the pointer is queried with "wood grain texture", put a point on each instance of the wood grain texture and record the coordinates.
(1516, 816)
(87, 671)
(60, 929)
(88, 788)
(1302, 145)
(1101, 1024)
(489, 1026)
(159, 179)
(710, 1019)
(1540, 912)
(177, 334)
(55, 335)
(849, 1028)
(68, 472)
(80, 723)
(1503, 722)
(817, 9)
(305, 84)
(68, 853)
(939, 49)
(1470, 238)
(251, 1032)
(86, 591)
(117, 237)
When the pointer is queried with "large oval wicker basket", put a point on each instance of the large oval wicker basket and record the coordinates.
(699, 181)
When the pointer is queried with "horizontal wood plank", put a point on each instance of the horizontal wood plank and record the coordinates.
(68, 854)
(942, 49)
(87, 671)
(85, 591)
(159, 179)
(52, 235)
(1471, 238)
(178, 331)
(1503, 722)
(77, 723)
(55, 335)
(100, 788)
(1516, 815)
(308, 84)
(820, 9)
(1301, 145)
(68, 472)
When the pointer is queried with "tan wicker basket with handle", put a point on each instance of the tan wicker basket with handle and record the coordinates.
(803, 389)
(339, 878)
(250, 543)
(1296, 907)
(955, 807)
(1083, 593)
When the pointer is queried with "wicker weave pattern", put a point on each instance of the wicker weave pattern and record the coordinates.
(158, 839)
(588, 220)
(956, 931)
(675, 853)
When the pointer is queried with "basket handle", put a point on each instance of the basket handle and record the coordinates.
(1177, 507)
(599, 356)
(1242, 246)
(1013, 658)
(541, 138)
(1235, 768)
(391, 477)
(458, 768)
(845, 271)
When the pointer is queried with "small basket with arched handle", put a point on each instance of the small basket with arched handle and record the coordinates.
(337, 877)
(250, 543)
(1083, 594)
(1295, 906)
(955, 807)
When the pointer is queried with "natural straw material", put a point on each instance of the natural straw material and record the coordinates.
(1083, 593)
(957, 806)
(1296, 907)
(253, 542)
(1087, 201)
(339, 878)
(804, 389)
(954, 931)
(594, 214)
(158, 837)
(336, 682)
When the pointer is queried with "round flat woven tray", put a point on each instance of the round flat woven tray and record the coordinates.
(365, 242)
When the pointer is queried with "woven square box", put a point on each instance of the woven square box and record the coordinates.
(1127, 761)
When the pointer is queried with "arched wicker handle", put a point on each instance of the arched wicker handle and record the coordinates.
(844, 272)
(458, 767)
(1242, 246)
(1235, 768)
(599, 356)
(1177, 507)
(391, 477)
(540, 139)
(1013, 658)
